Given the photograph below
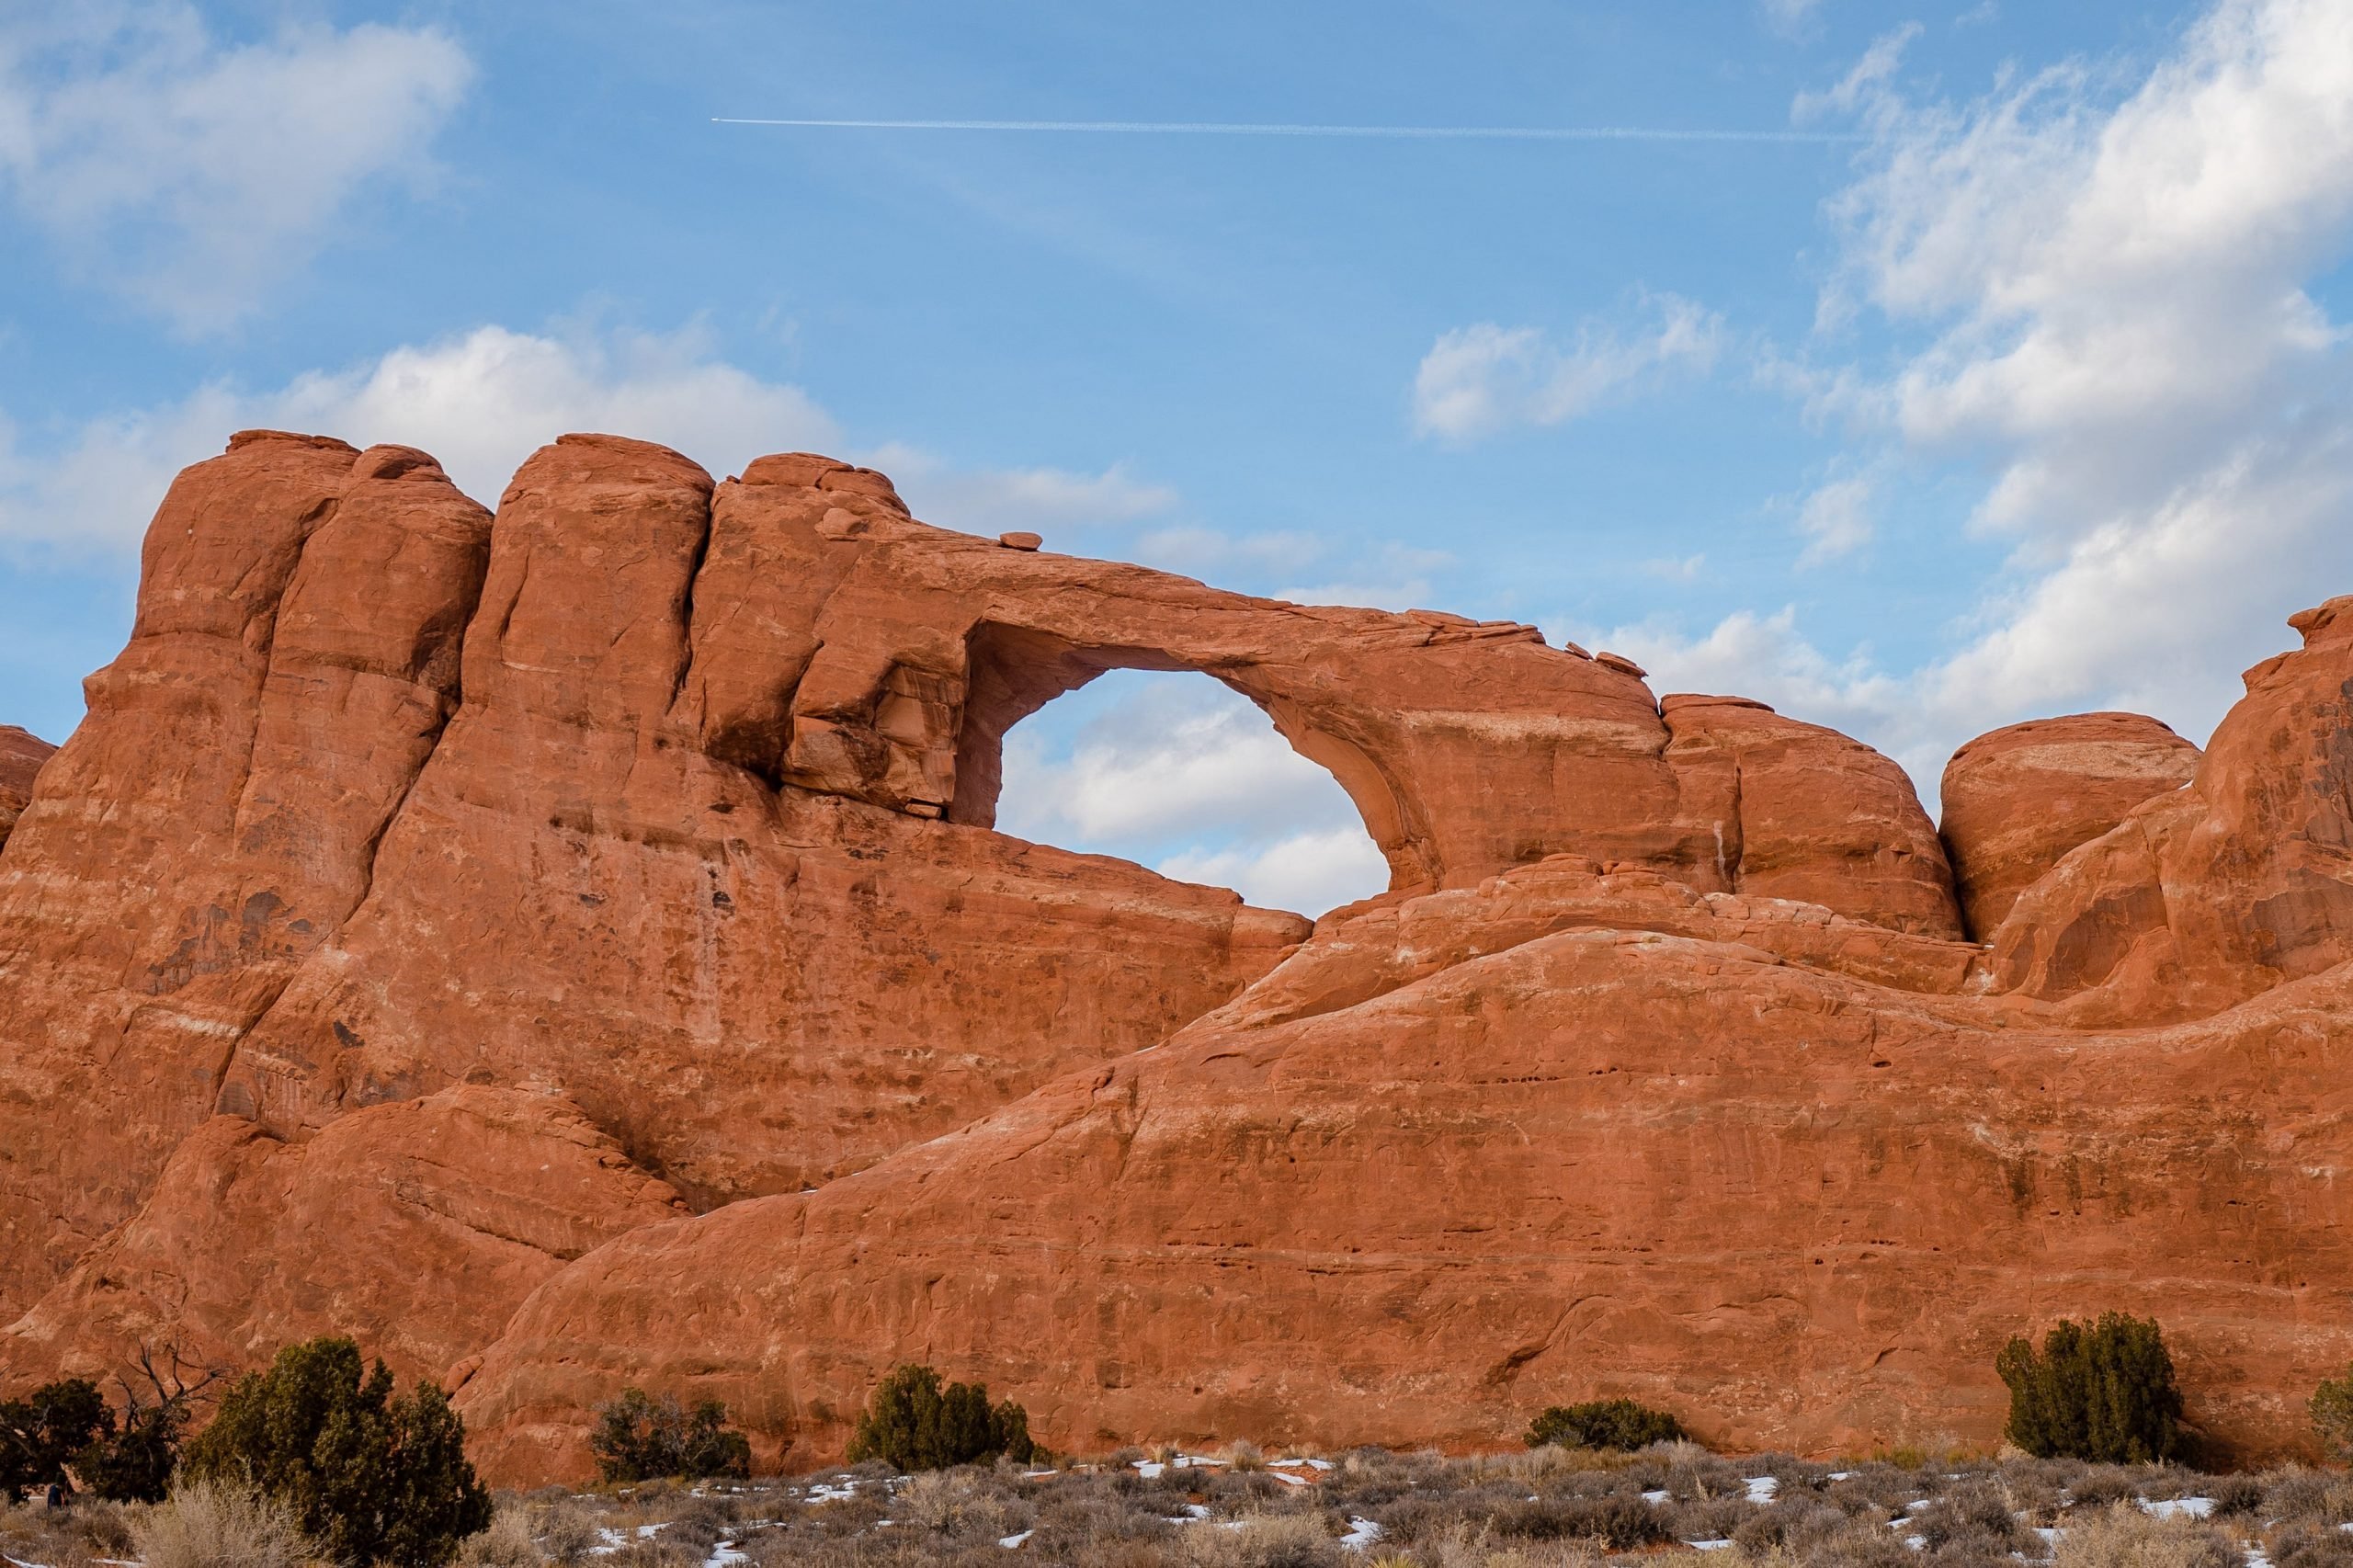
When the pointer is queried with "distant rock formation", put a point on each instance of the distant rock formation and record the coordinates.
(21, 755)
(572, 948)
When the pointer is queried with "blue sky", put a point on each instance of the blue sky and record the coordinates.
(2021, 391)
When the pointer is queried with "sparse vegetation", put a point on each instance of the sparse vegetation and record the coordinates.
(1545, 1507)
(1621, 1424)
(67, 1434)
(912, 1423)
(45, 1431)
(213, 1524)
(2102, 1391)
(369, 1477)
(2332, 1412)
(639, 1438)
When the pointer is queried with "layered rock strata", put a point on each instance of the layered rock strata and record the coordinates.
(590, 915)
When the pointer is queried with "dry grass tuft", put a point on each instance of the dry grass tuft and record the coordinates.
(206, 1525)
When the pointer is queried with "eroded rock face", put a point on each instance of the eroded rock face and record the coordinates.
(2017, 799)
(1809, 816)
(2219, 892)
(21, 755)
(591, 916)
(249, 1241)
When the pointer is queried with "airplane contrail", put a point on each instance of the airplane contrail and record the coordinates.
(1406, 132)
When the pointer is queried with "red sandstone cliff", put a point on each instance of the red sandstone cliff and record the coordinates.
(21, 755)
(570, 945)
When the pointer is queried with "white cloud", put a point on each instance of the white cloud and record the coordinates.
(195, 175)
(1867, 77)
(1308, 872)
(1789, 15)
(1836, 520)
(2105, 282)
(1477, 381)
(1387, 576)
(481, 402)
(1177, 772)
(1034, 500)
(1675, 569)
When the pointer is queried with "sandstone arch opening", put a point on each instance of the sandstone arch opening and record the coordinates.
(1178, 771)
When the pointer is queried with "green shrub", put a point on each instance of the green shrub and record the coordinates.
(372, 1478)
(639, 1438)
(47, 1430)
(1619, 1424)
(913, 1423)
(2103, 1392)
(69, 1423)
(2332, 1412)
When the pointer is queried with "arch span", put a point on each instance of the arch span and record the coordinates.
(870, 655)
(1013, 672)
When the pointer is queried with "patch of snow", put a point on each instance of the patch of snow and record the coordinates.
(1361, 1534)
(1319, 1464)
(1916, 1542)
(1761, 1488)
(1707, 1545)
(1009, 1542)
(1150, 1469)
(724, 1555)
(1841, 1475)
(647, 1532)
(1037, 1475)
(1661, 1495)
(1288, 1479)
(2179, 1507)
(828, 1492)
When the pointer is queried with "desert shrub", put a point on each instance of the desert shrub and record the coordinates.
(637, 1438)
(2124, 1536)
(2234, 1496)
(1797, 1524)
(70, 1426)
(1622, 1523)
(105, 1529)
(213, 1524)
(373, 1477)
(568, 1533)
(2331, 1414)
(506, 1543)
(47, 1430)
(954, 1503)
(2098, 1485)
(1971, 1514)
(1265, 1541)
(1619, 1424)
(2100, 1392)
(2304, 1545)
(912, 1423)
